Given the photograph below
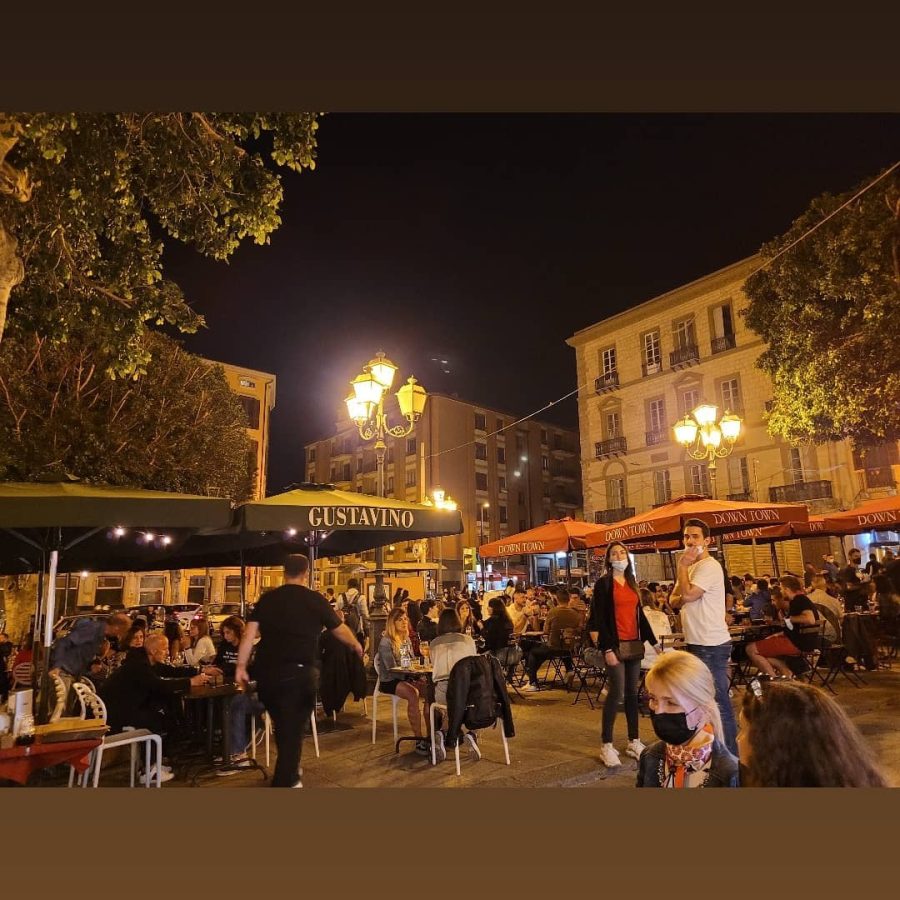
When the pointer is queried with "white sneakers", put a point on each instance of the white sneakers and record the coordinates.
(440, 750)
(472, 740)
(165, 774)
(635, 748)
(609, 756)
(530, 688)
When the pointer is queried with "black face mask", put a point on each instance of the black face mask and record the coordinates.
(672, 728)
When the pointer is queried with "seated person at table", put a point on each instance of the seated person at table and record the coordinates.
(520, 611)
(396, 635)
(497, 628)
(241, 706)
(800, 615)
(428, 625)
(447, 649)
(201, 649)
(135, 695)
(558, 618)
(757, 600)
(821, 597)
(470, 624)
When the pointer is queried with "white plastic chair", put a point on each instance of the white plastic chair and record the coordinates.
(456, 748)
(130, 737)
(395, 701)
(88, 683)
(22, 675)
(267, 731)
(61, 692)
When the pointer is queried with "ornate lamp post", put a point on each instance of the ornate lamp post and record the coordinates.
(365, 406)
(705, 439)
(440, 500)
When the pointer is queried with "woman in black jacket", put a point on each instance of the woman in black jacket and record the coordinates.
(619, 628)
(497, 627)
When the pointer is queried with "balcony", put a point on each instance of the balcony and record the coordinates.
(608, 381)
(611, 516)
(566, 498)
(801, 492)
(684, 357)
(740, 497)
(721, 344)
(656, 437)
(651, 368)
(564, 447)
(616, 446)
(568, 473)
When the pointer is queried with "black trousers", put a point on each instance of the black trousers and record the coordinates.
(290, 698)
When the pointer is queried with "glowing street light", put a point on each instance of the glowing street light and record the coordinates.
(705, 439)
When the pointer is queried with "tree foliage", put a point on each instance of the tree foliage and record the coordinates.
(829, 311)
(85, 200)
(178, 427)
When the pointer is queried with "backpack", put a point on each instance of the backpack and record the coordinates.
(352, 617)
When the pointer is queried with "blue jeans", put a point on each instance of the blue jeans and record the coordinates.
(716, 660)
(242, 707)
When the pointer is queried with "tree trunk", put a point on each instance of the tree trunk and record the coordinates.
(11, 272)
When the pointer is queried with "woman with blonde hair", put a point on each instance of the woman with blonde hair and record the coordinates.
(690, 751)
(396, 635)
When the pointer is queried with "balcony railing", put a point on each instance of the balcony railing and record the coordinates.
(800, 492)
(608, 381)
(611, 516)
(569, 472)
(612, 447)
(740, 497)
(656, 437)
(720, 344)
(651, 368)
(562, 446)
(565, 498)
(684, 356)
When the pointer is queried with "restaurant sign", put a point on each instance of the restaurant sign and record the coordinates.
(521, 547)
(360, 517)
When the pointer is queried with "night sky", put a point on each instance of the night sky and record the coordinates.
(487, 240)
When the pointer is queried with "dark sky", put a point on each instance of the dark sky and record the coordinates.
(487, 240)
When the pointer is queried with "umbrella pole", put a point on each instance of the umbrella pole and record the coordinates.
(775, 560)
(243, 587)
(568, 570)
(753, 557)
(43, 706)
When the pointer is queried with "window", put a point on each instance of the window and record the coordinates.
(699, 479)
(410, 477)
(251, 408)
(247, 383)
(501, 456)
(359, 464)
(796, 466)
(501, 484)
(389, 485)
(545, 463)
(347, 472)
(731, 395)
(153, 589)
(722, 322)
(615, 493)
(662, 487)
(656, 415)
(546, 490)
(543, 435)
(684, 334)
(689, 400)
(480, 422)
(481, 482)
(739, 475)
(652, 352)
(499, 424)
(232, 588)
(503, 518)
(197, 588)
(110, 590)
(311, 475)
(66, 600)
(520, 442)
(389, 457)
(410, 446)
(613, 425)
(522, 525)
(330, 579)
(607, 363)
(311, 454)
(480, 450)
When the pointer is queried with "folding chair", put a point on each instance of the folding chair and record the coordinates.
(835, 654)
(585, 671)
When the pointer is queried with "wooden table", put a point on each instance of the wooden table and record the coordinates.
(18, 763)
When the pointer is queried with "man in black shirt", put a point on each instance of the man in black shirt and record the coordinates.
(289, 621)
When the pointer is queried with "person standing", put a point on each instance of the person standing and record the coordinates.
(699, 595)
(289, 621)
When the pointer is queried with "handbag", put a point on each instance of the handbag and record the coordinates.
(630, 650)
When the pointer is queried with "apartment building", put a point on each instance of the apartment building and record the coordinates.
(648, 366)
(505, 479)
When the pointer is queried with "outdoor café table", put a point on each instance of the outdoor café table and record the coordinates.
(18, 763)
(219, 695)
(413, 672)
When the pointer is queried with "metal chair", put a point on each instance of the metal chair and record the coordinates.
(456, 748)
(835, 654)
(22, 675)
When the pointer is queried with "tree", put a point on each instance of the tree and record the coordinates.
(85, 200)
(178, 427)
(829, 311)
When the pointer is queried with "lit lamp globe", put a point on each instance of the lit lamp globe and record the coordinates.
(450, 504)
(706, 414)
(411, 398)
(383, 370)
(438, 494)
(685, 431)
(731, 427)
(711, 436)
(358, 410)
(367, 388)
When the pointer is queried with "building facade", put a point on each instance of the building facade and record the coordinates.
(647, 367)
(504, 477)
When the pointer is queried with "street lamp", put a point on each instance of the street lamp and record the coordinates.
(703, 438)
(441, 500)
(365, 406)
(483, 505)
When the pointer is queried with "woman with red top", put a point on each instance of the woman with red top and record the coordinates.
(619, 628)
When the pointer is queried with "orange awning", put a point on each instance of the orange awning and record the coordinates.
(722, 516)
(815, 526)
(555, 536)
(875, 515)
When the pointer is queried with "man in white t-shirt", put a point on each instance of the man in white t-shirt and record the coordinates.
(699, 594)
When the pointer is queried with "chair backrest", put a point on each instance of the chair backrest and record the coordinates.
(88, 683)
(832, 620)
(22, 674)
(569, 639)
(89, 702)
(59, 687)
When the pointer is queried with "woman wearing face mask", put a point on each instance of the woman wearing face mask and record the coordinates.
(618, 627)
(685, 717)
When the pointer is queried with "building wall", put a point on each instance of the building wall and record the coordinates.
(628, 441)
(547, 484)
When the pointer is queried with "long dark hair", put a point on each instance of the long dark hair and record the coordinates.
(498, 608)
(799, 737)
(629, 571)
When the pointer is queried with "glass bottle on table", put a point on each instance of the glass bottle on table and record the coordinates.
(425, 648)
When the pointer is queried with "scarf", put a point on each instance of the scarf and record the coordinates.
(687, 765)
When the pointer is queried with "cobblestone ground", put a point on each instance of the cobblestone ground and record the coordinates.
(556, 745)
